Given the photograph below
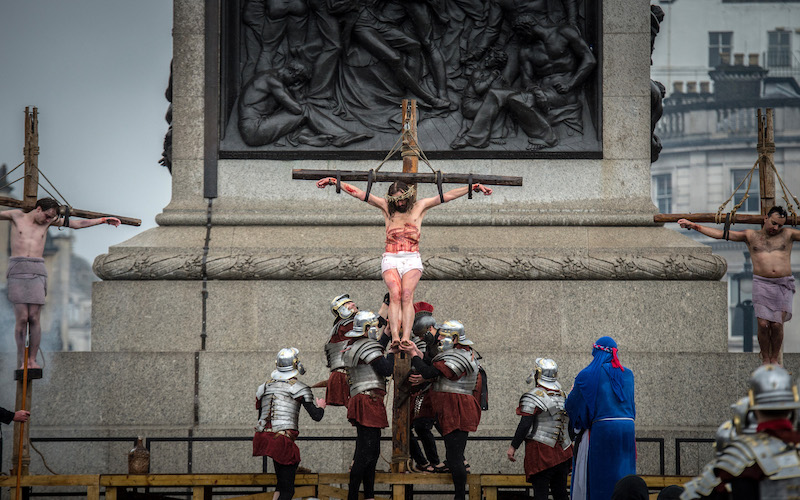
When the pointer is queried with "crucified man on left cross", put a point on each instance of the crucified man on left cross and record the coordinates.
(401, 265)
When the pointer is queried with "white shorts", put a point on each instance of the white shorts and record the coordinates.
(402, 261)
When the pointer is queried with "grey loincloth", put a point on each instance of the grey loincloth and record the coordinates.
(27, 280)
(772, 297)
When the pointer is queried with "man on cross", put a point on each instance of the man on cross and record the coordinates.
(773, 283)
(27, 275)
(401, 265)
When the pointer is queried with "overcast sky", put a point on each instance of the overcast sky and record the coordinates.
(97, 71)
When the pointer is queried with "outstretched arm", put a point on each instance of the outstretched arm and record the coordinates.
(713, 232)
(10, 214)
(451, 195)
(375, 201)
(82, 223)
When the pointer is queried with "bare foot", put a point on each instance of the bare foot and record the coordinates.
(406, 343)
(32, 364)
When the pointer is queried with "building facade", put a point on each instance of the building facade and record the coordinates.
(721, 61)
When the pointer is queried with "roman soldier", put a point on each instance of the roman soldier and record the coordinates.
(367, 369)
(344, 309)
(764, 465)
(278, 402)
(544, 427)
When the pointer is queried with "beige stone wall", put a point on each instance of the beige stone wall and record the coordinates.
(539, 270)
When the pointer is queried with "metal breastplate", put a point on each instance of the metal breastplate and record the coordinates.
(280, 409)
(779, 489)
(363, 378)
(779, 461)
(360, 374)
(552, 423)
(333, 352)
(459, 362)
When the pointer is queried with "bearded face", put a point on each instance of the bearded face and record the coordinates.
(400, 206)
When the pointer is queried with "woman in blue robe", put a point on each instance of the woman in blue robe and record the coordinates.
(602, 411)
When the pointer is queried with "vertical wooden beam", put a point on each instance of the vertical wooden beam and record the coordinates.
(24, 390)
(111, 493)
(399, 492)
(31, 153)
(766, 154)
(401, 429)
(93, 492)
(201, 493)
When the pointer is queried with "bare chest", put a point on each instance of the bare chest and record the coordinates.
(764, 244)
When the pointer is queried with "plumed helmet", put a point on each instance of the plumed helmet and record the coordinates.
(288, 365)
(771, 388)
(453, 328)
(365, 323)
(423, 318)
(545, 373)
(339, 306)
(744, 422)
(724, 435)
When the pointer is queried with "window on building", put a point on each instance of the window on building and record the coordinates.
(753, 202)
(719, 42)
(662, 192)
(779, 49)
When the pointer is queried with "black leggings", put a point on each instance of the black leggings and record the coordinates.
(455, 443)
(368, 449)
(552, 480)
(422, 426)
(285, 478)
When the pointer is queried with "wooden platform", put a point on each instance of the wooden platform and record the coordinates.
(323, 486)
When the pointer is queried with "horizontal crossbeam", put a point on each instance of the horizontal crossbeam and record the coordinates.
(73, 212)
(737, 218)
(409, 178)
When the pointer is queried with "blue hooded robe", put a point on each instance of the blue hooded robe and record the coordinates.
(602, 410)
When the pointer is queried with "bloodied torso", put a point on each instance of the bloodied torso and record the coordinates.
(402, 239)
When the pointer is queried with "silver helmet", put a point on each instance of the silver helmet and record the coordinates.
(744, 422)
(545, 373)
(365, 323)
(339, 306)
(453, 328)
(771, 388)
(288, 365)
(724, 436)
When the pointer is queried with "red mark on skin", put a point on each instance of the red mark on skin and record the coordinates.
(350, 189)
(405, 239)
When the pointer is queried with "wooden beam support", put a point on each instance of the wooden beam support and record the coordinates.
(408, 178)
(75, 212)
(766, 150)
(30, 189)
(708, 217)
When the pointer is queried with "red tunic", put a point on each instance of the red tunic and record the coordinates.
(456, 412)
(280, 447)
(425, 408)
(337, 392)
(367, 409)
(539, 456)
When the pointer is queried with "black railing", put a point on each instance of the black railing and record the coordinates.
(678, 442)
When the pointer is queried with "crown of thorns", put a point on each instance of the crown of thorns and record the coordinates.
(404, 195)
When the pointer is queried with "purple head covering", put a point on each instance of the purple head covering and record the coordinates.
(605, 358)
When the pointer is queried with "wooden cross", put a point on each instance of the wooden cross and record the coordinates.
(410, 152)
(766, 178)
(30, 188)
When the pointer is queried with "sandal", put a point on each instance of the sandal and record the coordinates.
(466, 466)
(427, 468)
(441, 468)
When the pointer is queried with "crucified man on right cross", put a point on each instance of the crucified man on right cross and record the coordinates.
(401, 265)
